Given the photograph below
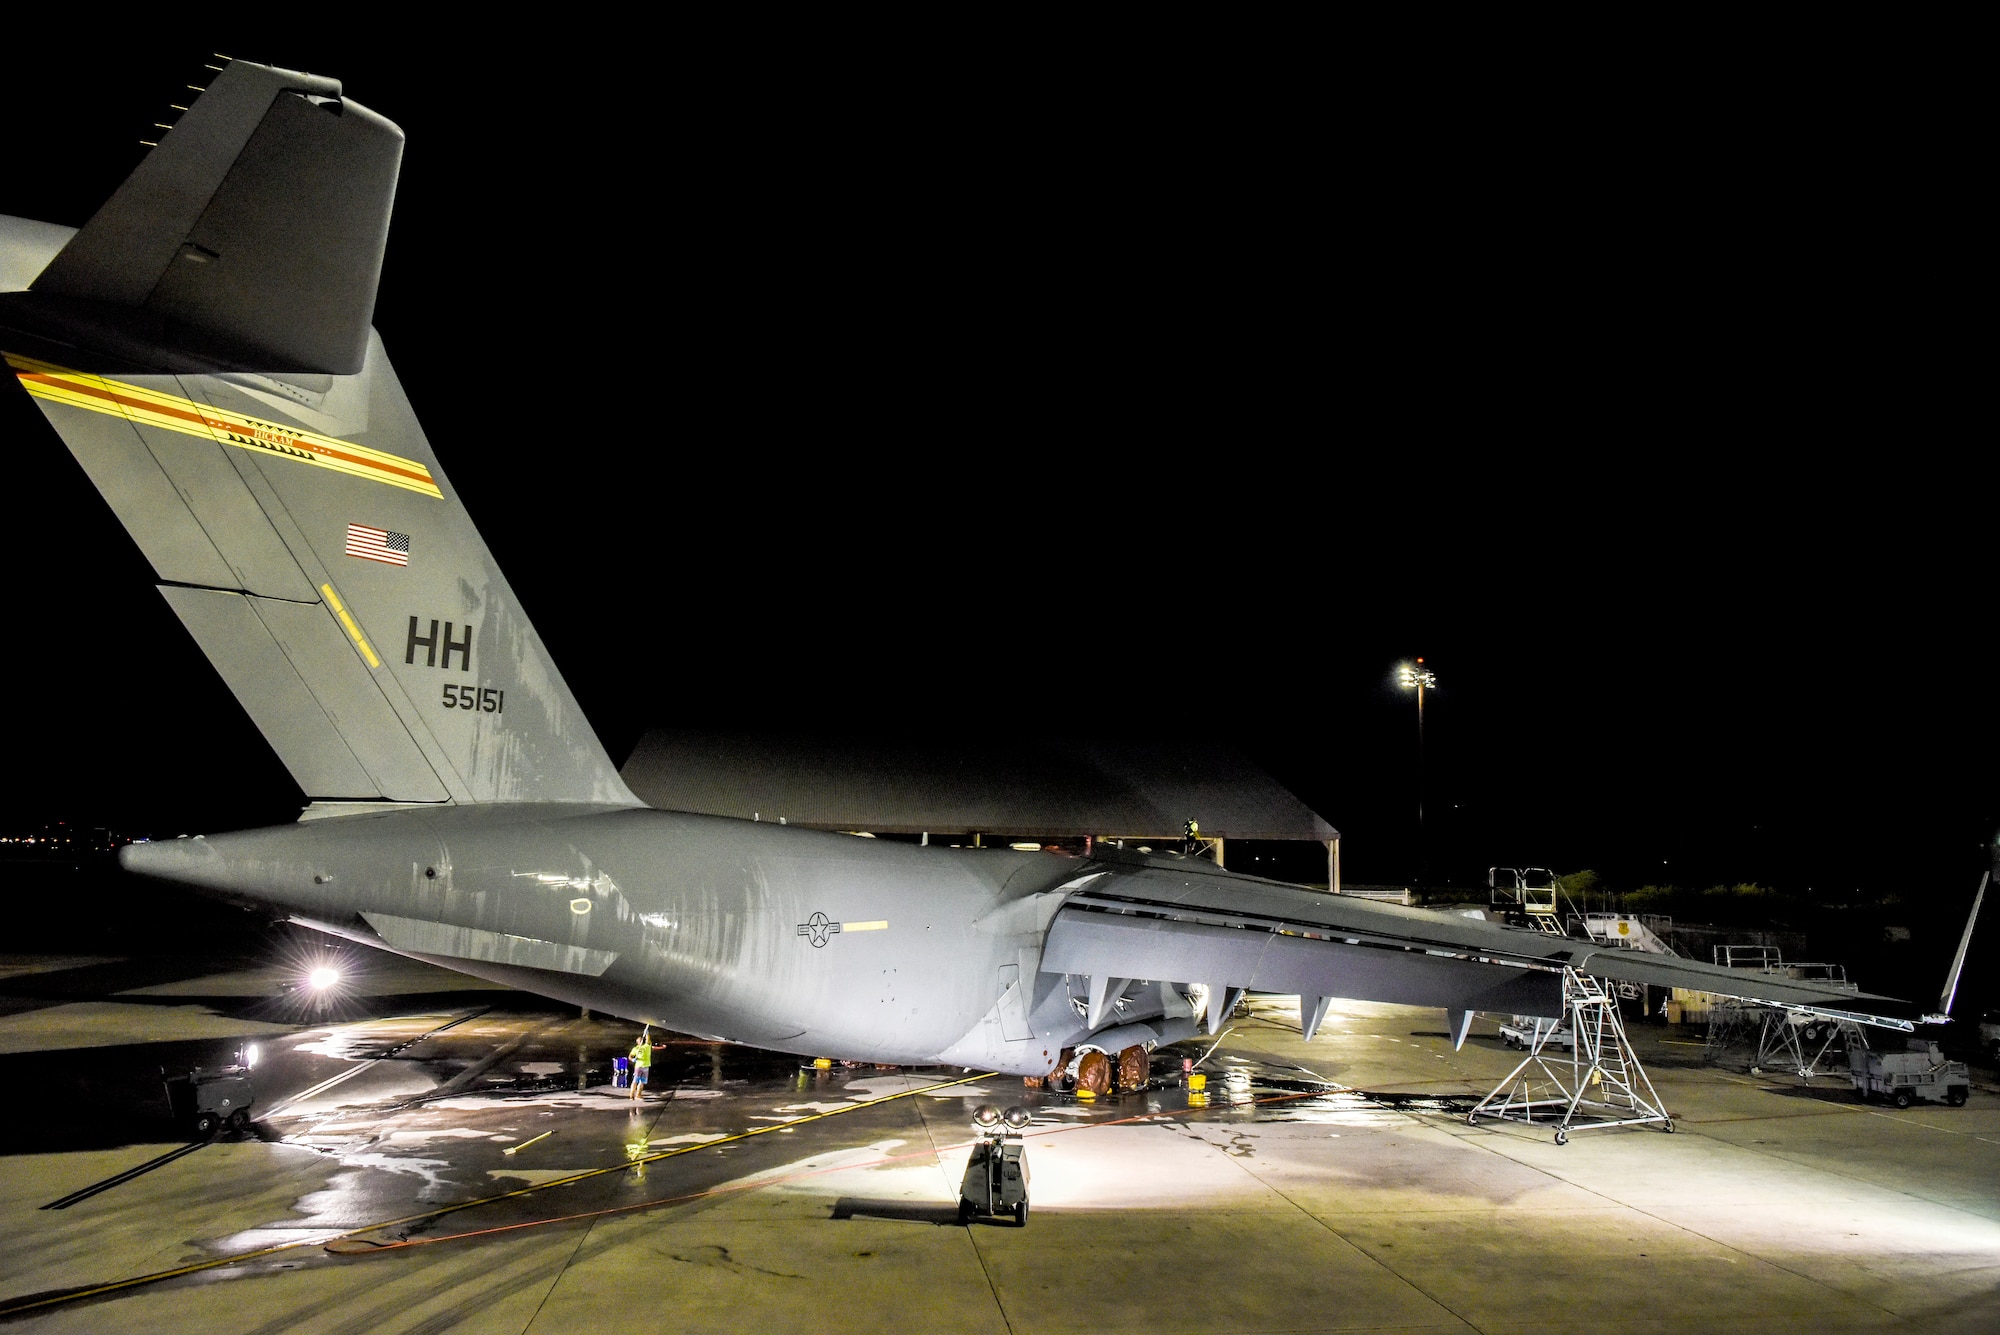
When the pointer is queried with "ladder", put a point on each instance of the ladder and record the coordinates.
(1600, 1083)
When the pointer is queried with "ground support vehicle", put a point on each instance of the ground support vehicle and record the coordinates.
(209, 1097)
(1901, 1078)
(996, 1176)
(1529, 1031)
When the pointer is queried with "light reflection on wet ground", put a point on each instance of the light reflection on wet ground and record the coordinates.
(514, 1095)
(412, 1111)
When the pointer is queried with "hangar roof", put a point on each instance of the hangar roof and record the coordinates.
(1050, 787)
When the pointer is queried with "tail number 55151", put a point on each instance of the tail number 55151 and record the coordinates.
(484, 699)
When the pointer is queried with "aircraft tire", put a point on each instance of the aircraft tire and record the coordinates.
(1133, 1068)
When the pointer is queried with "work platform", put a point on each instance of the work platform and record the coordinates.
(1331, 1185)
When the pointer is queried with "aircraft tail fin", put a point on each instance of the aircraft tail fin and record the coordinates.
(299, 523)
(249, 238)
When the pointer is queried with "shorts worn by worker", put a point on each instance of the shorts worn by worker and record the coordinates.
(641, 1074)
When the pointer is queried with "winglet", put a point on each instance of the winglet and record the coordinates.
(1950, 993)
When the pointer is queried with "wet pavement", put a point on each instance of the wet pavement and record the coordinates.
(429, 1154)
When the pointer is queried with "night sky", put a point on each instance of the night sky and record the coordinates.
(849, 398)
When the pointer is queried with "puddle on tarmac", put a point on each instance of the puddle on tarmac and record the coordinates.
(422, 1134)
(876, 1086)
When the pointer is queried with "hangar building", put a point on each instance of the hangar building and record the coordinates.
(1003, 789)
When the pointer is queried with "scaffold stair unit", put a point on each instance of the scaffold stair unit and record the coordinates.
(1598, 1083)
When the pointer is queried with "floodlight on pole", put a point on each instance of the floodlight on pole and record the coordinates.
(1416, 677)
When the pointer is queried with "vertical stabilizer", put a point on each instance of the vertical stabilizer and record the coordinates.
(307, 538)
(203, 347)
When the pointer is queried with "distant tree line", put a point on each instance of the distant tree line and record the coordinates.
(1744, 902)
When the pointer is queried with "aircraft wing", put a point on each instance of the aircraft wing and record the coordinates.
(1189, 922)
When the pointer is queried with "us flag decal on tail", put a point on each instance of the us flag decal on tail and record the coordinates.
(378, 544)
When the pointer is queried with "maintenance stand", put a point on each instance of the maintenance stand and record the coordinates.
(1599, 1083)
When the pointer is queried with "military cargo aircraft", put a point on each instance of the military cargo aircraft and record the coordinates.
(204, 347)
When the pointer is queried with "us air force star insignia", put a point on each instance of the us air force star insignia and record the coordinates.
(819, 928)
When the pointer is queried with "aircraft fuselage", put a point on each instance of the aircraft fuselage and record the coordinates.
(792, 939)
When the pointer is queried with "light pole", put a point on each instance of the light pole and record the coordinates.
(1416, 677)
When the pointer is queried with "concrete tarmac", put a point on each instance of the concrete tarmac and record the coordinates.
(1330, 1186)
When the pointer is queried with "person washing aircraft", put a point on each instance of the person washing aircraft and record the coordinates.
(641, 1057)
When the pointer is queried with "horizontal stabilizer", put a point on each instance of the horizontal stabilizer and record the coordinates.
(250, 238)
